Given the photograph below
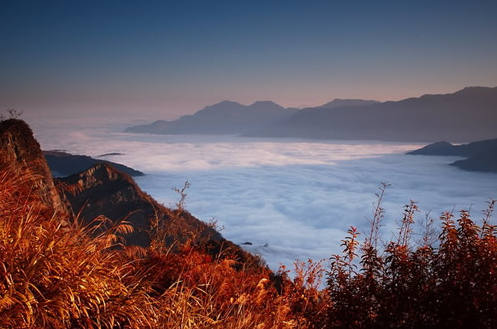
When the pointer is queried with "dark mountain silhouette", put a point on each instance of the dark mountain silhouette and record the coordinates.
(441, 148)
(479, 162)
(481, 155)
(20, 152)
(109, 154)
(222, 118)
(104, 190)
(65, 164)
(464, 150)
(466, 115)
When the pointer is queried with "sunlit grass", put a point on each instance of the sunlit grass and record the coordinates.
(56, 273)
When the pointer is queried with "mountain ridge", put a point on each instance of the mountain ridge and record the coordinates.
(465, 115)
(226, 117)
(346, 102)
(104, 190)
(66, 164)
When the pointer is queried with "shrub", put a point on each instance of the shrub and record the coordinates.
(452, 284)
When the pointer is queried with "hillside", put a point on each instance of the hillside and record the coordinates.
(466, 115)
(104, 190)
(481, 155)
(222, 118)
(65, 164)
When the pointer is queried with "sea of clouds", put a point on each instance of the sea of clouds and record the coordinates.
(289, 198)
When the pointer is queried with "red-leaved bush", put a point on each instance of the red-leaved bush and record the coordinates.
(449, 284)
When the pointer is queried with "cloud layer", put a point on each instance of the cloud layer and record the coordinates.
(289, 198)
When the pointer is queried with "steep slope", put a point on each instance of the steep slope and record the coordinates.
(104, 190)
(65, 164)
(222, 118)
(467, 115)
(481, 155)
(21, 152)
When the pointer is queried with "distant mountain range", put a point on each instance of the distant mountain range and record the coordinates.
(222, 118)
(481, 155)
(466, 115)
(338, 102)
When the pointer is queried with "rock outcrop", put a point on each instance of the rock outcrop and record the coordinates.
(20, 153)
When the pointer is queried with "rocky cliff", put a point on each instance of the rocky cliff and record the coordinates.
(20, 153)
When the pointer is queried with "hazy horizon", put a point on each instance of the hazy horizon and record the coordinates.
(161, 60)
(140, 116)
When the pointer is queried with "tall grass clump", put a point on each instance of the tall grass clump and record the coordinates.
(56, 273)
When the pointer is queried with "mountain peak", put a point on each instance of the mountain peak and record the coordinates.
(475, 90)
(100, 173)
(341, 102)
(225, 103)
(265, 105)
(226, 117)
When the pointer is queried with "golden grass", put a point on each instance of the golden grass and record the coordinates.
(56, 273)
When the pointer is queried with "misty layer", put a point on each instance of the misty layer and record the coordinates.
(276, 193)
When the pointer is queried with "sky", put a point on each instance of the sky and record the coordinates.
(162, 59)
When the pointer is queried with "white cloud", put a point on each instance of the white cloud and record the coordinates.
(298, 197)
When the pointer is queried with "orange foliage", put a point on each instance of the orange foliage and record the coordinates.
(449, 285)
(54, 273)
